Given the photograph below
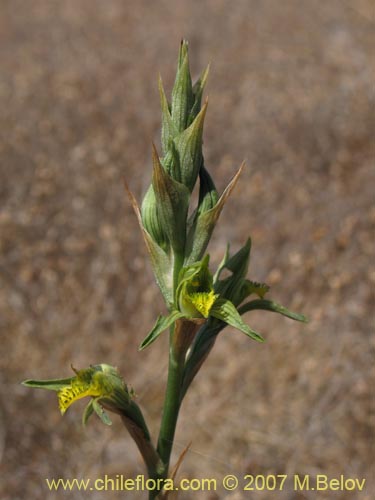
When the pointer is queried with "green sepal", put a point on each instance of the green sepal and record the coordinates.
(99, 410)
(89, 410)
(268, 305)
(50, 385)
(173, 203)
(189, 146)
(225, 311)
(182, 92)
(162, 323)
(200, 235)
(169, 129)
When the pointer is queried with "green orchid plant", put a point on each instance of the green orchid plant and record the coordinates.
(200, 304)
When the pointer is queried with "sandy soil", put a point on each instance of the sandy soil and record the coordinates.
(291, 90)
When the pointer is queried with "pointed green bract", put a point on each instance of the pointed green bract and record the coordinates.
(189, 147)
(173, 202)
(162, 323)
(169, 129)
(162, 263)
(199, 237)
(198, 92)
(226, 311)
(182, 93)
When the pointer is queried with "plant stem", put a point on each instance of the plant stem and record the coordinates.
(181, 336)
(171, 402)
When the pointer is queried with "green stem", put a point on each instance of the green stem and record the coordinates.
(181, 336)
(171, 402)
(177, 265)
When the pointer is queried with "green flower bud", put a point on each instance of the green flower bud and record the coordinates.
(152, 221)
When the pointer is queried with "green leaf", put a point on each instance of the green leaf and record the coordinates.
(173, 203)
(225, 311)
(99, 410)
(162, 323)
(268, 305)
(182, 93)
(199, 238)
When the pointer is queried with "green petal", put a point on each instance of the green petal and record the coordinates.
(225, 311)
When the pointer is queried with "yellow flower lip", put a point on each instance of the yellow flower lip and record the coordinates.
(203, 301)
(75, 391)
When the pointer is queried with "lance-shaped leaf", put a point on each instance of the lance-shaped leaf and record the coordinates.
(199, 237)
(168, 128)
(189, 146)
(268, 305)
(225, 311)
(162, 263)
(182, 93)
(162, 323)
(173, 202)
(198, 88)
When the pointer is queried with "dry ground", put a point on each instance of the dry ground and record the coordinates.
(292, 91)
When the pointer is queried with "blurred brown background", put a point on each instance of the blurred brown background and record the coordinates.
(291, 90)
